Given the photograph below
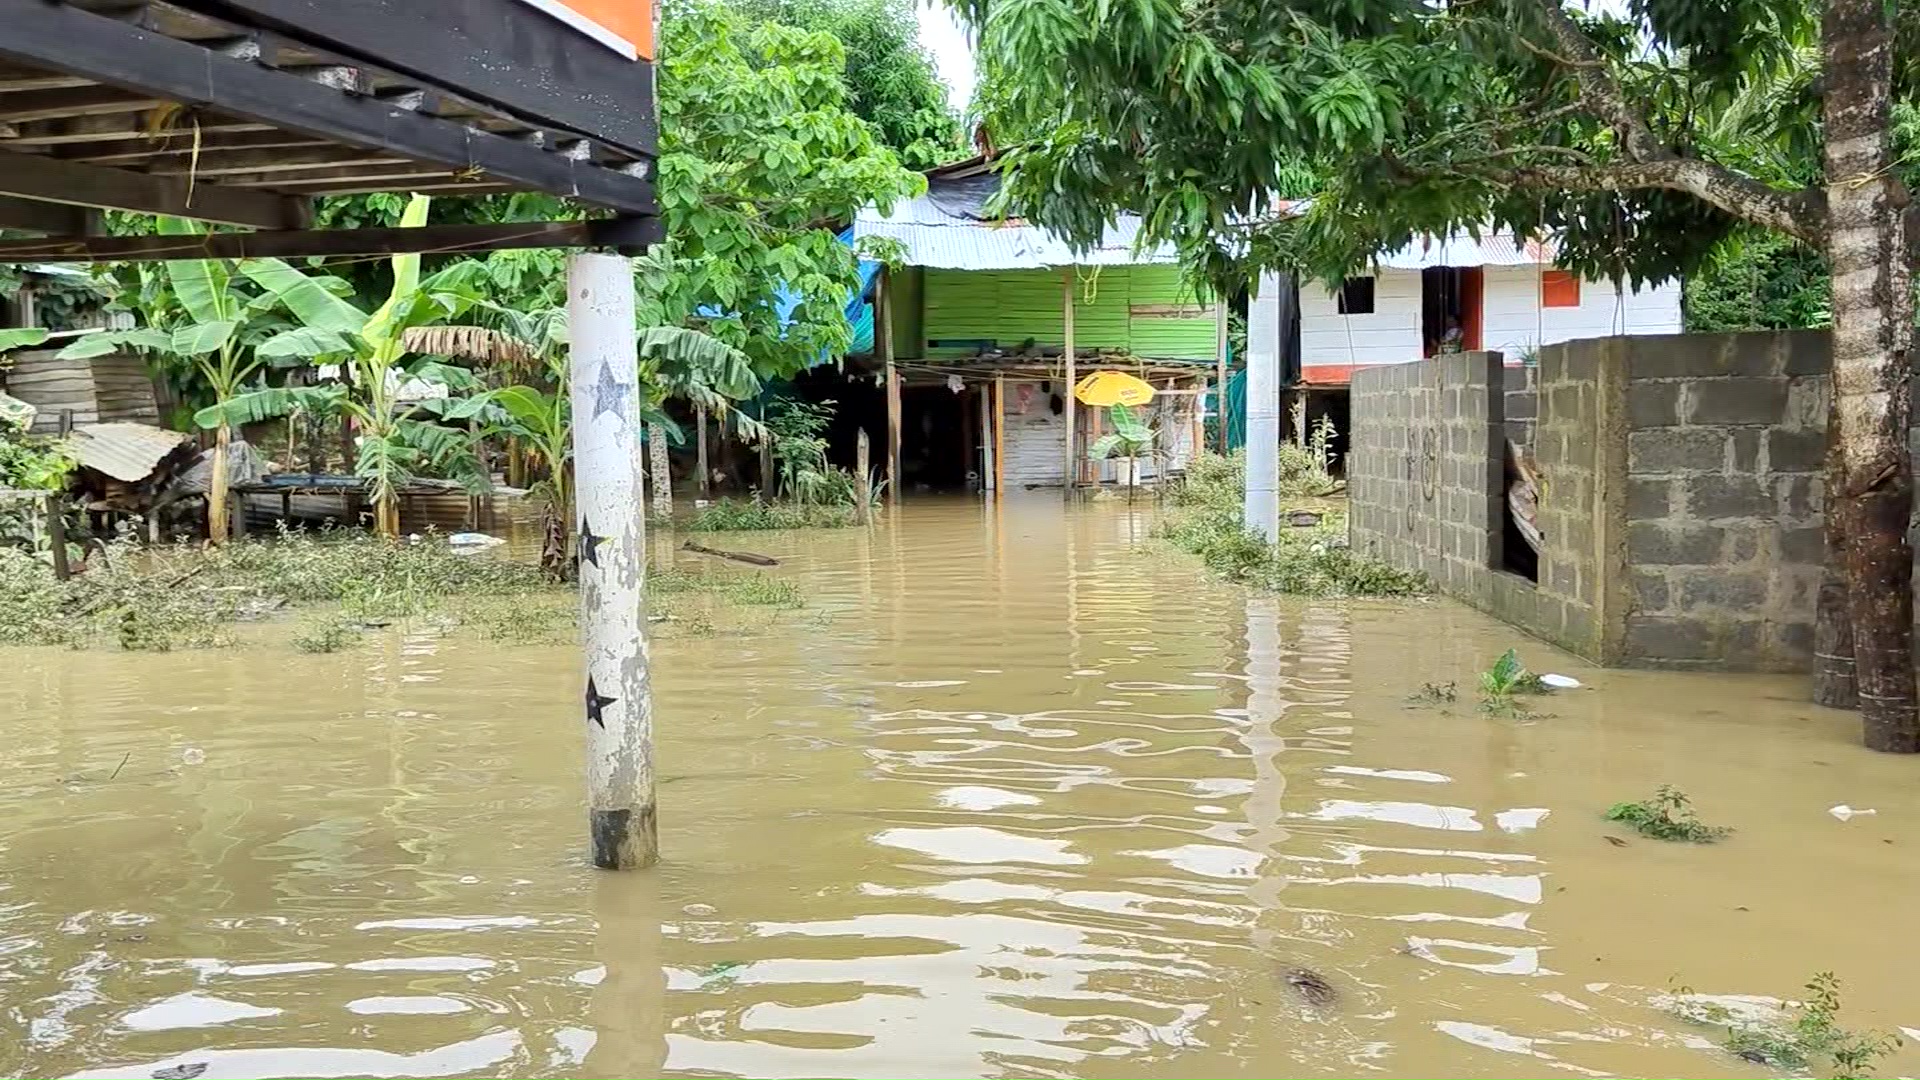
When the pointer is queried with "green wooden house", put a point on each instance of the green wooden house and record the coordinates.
(993, 321)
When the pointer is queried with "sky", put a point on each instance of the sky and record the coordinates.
(946, 39)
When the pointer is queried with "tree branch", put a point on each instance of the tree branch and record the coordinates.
(1653, 164)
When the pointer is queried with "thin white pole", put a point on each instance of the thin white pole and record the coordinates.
(610, 545)
(1262, 509)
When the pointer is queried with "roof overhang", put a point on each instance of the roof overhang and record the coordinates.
(239, 112)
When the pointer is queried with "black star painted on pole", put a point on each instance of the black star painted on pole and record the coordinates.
(609, 394)
(589, 543)
(595, 703)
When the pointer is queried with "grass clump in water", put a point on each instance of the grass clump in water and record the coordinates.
(1814, 1037)
(326, 634)
(740, 515)
(1668, 815)
(1435, 694)
(1310, 561)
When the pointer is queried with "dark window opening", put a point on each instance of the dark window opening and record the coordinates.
(1356, 296)
(1450, 309)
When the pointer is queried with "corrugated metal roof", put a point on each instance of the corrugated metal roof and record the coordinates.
(1460, 249)
(123, 451)
(934, 238)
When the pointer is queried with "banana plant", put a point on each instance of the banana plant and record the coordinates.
(203, 326)
(1130, 440)
(398, 440)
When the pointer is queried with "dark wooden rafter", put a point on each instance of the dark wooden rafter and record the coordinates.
(624, 233)
(198, 108)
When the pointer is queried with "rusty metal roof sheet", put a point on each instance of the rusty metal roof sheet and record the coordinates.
(123, 451)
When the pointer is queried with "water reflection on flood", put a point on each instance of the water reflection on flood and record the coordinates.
(1022, 800)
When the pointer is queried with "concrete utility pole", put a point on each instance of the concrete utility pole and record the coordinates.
(1262, 510)
(610, 541)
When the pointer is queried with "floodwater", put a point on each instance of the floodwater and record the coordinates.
(1018, 798)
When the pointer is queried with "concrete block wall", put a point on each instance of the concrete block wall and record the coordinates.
(1521, 403)
(1681, 506)
(1725, 453)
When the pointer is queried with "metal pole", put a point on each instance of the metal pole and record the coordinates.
(1072, 476)
(1220, 365)
(1262, 509)
(610, 542)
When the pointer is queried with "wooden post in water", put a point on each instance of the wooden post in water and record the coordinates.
(609, 539)
(1071, 477)
(862, 480)
(769, 480)
(700, 450)
(999, 436)
(883, 347)
(987, 456)
(1220, 365)
(57, 534)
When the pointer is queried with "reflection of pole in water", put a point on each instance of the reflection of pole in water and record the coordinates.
(628, 1012)
(610, 543)
(1264, 744)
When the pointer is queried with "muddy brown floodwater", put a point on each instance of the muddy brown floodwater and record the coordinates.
(1016, 798)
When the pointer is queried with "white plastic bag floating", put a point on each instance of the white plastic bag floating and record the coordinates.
(1561, 682)
(1843, 812)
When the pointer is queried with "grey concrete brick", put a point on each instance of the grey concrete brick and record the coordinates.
(1650, 498)
(1667, 637)
(1653, 404)
(1650, 590)
(1804, 450)
(1710, 497)
(1744, 447)
(1657, 543)
(1803, 547)
(1736, 401)
(1676, 450)
(1808, 352)
(1694, 355)
(1791, 641)
(1723, 590)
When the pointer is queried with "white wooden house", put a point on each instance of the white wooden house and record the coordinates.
(1492, 293)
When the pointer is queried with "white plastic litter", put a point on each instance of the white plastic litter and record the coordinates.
(193, 755)
(1843, 812)
(1561, 682)
(472, 539)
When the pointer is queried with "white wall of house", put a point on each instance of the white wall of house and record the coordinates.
(1390, 335)
(1512, 321)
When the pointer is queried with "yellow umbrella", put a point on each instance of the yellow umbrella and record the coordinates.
(1113, 388)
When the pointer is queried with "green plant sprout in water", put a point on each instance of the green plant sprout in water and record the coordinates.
(1506, 679)
(1667, 816)
(1815, 1036)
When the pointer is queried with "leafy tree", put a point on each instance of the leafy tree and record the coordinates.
(1526, 114)
(891, 79)
(760, 160)
(1759, 281)
(398, 439)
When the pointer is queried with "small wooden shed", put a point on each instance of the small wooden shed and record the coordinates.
(103, 389)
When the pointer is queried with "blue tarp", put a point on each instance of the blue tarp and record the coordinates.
(859, 309)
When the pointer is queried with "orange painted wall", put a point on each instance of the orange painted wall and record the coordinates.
(631, 19)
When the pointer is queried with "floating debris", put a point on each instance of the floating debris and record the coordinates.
(1844, 812)
(1312, 987)
(1560, 682)
(186, 1070)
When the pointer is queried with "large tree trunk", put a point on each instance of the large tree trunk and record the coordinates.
(219, 527)
(1871, 485)
(658, 466)
(1833, 684)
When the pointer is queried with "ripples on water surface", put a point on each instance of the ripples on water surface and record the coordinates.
(1029, 803)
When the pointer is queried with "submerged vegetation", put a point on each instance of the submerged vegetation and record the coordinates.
(1310, 561)
(165, 599)
(745, 515)
(1668, 815)
(1807, 1038)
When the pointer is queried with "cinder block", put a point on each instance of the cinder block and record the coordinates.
(1653, 404)
(1659, 543)
(1723, 591)
(1804, 450)
(1650, 590)
(1711, 497)
(1803, 547)
(1667, 637)
(1676, 450)
(1650, 498)
(1736, 401)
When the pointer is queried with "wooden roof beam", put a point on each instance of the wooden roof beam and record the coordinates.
(624, 233)
(48, 217)
(82, 129)
(124, 152)
(283, 160)
(56, 104)
(69, 39)
(51, 180)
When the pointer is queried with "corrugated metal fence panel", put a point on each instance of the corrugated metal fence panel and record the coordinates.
(1036, 438)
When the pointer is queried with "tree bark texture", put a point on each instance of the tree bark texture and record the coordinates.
(1833, 684)
(218, 523)
(1871, 487)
